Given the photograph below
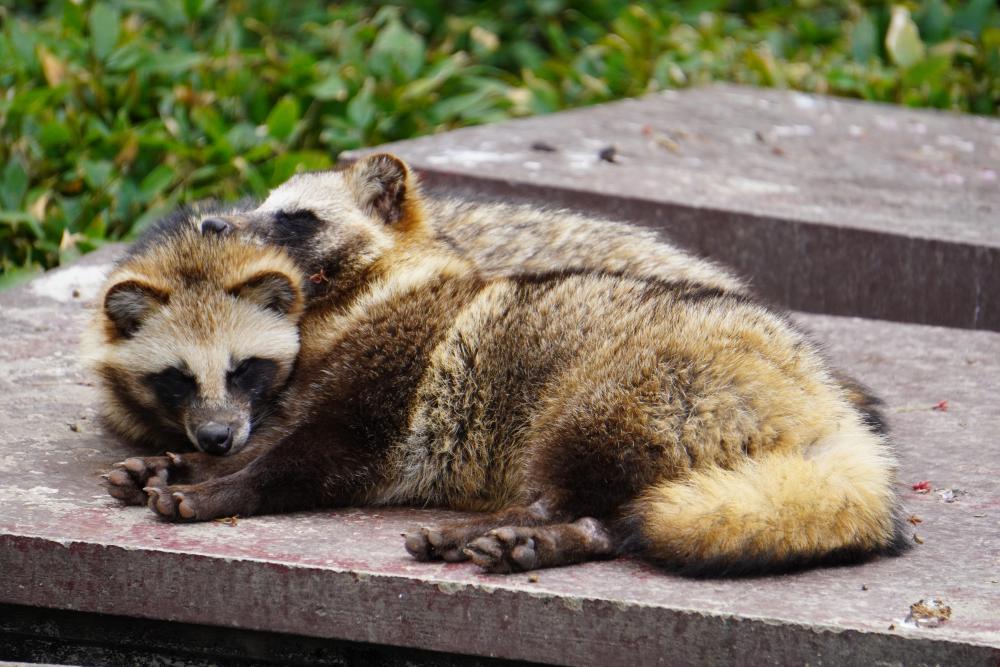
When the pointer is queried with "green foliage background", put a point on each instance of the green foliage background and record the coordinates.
(112, 112)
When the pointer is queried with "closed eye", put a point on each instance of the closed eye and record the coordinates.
(172, 386)
(253, 376)
(295, 227)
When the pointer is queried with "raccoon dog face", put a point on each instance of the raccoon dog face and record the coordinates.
(195, 338)
(334, 224)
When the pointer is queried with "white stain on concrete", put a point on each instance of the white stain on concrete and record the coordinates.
(805, 101)
(958, 143)
(793, 131)
(61, 285)
(887, 123)
(471, 158)
(580, 161)
(42, 497)
(753, 186)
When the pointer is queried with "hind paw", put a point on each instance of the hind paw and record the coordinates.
(436, 544)
(129, 477)
(505, 550)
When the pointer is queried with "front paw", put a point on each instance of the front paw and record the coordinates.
(200, 502)
(176, 503)
(129, 477)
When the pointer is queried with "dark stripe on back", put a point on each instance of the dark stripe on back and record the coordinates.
(655, 287)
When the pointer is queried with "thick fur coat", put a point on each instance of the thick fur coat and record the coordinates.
(589, 412)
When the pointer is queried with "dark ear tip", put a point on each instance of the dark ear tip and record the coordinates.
(387, 162)
(215, 226)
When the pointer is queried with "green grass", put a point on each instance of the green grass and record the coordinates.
(116, 111)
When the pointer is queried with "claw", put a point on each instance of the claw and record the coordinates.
(106, 476)
(183, 508)
(434, 538)
(174, 458)
(416, 546)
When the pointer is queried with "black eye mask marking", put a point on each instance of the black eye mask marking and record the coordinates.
(294, 228)
(173, 387)
(253, 377)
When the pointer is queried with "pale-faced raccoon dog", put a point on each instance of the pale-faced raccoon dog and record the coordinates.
(166, 381)
(588, 413)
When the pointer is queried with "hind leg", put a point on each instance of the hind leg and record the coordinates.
(447, 542)
(521, 548)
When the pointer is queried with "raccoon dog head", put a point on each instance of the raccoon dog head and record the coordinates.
(336, 224)
(195, 337)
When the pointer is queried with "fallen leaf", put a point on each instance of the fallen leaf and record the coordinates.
(914, 519)
(941, 406)
(923, 487)
(928, 613)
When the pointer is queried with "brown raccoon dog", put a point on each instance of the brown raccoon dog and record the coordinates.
(498, 238)
(587, 414)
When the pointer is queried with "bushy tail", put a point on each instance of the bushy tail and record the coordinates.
(832, 502)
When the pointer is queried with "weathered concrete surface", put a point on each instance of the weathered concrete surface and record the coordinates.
(343, 574)
(831, 206)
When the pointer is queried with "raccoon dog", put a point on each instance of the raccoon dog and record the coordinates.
(584, 413)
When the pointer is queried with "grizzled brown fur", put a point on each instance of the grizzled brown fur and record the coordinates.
(591, 412)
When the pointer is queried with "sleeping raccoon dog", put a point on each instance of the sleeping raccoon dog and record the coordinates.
(585, 413)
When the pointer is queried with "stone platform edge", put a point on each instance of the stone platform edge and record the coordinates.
(376, 608)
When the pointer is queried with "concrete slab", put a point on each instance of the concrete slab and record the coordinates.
(831, 206)
(343, 574)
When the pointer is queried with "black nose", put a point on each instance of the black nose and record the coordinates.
(214, 438)
(216, 226)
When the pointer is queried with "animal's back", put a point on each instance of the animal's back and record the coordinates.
(509, 239)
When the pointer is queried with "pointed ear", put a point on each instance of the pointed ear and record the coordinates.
(129, 303)
(382, 185)
(269, 289)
